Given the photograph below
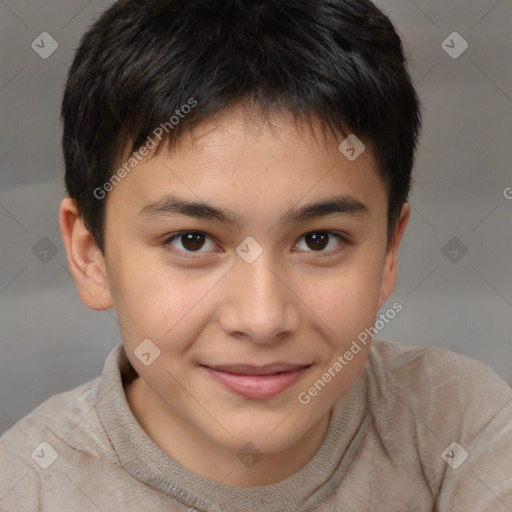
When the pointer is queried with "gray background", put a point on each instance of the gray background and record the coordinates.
(50, 342)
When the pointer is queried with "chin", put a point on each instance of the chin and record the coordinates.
(267, 438)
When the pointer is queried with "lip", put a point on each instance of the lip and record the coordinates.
(257, 382)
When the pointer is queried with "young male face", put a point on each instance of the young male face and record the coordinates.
(300, 303)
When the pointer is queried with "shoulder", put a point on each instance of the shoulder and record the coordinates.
(437, 382)
(58, 414)
(434, 395)
(432, 371)
(72, 417)
(443, 407)
(66, 422)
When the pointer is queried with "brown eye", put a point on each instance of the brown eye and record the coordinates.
(317, 241)
(189, 241)
(192, 241)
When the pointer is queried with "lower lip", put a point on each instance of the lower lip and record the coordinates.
(257, 386)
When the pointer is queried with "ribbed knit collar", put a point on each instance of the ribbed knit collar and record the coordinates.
(146, 462)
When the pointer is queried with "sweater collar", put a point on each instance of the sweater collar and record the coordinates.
(145, 461)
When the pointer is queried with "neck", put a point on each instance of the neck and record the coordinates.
(202, 456)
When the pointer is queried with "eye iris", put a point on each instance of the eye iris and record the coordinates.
(192, 241)
(317, 241)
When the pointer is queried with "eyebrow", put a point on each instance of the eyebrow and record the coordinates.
(173, 205)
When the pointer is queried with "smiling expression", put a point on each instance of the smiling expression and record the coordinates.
(251, 256)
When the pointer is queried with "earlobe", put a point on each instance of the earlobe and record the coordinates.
(85, 260)
(390, 272)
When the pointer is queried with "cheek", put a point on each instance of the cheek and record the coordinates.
(146, 303)
(167, 306)
(346, 300)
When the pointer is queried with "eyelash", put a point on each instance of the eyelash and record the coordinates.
(196, 254)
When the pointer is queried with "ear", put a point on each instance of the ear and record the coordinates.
(389, 277)
(85, 258)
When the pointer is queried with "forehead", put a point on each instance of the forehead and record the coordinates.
(238, 158)
(239, 125)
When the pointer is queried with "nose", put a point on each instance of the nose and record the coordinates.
(260, 305)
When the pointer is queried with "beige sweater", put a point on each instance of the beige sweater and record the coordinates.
(388, 448)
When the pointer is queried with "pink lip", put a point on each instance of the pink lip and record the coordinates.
(257, 382)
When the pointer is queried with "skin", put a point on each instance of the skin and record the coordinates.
(295, 303)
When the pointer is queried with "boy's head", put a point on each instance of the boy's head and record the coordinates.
(289, 248)
(173, 64)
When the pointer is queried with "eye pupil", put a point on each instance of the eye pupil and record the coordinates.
(317, 241)
(192, 241)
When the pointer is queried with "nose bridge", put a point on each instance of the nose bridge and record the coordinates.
(260, 304)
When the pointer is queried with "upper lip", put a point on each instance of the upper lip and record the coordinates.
(267, 369)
